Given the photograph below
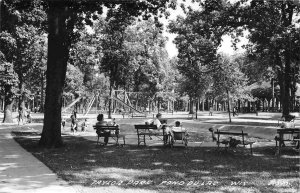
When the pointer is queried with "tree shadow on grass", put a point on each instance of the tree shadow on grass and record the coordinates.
(190, 169)
(258, 118)
(248, 123)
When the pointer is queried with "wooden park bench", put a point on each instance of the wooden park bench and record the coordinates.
(144, 130)
(114, 134)
(227, 142)
(292, 132)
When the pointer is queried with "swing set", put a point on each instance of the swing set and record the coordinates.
(124, 100)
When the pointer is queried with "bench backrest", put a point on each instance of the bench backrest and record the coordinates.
(162, 121)
(145, 126)
(231, 133)
(288, 130)
(106, 127)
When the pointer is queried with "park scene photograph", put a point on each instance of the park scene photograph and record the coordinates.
(150, 96)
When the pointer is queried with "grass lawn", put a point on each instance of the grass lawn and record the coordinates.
(162, 169)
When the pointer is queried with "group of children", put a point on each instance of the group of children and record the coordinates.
(75, 124)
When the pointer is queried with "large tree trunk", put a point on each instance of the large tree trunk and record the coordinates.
(197, 105)
(229, 106)
(8, 100)
(287, 83)
(58, 51)
(191, 106)
(110, 101)
(42, 94)
(22, 96)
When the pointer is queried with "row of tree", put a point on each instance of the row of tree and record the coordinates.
(272, 52)
(125, 49)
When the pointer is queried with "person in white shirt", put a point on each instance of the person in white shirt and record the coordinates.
(160, 127)
(178, 128)
(156, 122)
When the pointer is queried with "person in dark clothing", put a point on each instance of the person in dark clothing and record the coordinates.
(74, 124)
(75, 113)
(105, 133)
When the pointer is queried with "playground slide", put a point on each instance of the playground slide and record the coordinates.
(70, 105)
(90, 105)
(129, 106)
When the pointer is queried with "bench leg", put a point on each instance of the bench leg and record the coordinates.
(280, 143)
(144, 140)
(278, 150)
(138, 140)
(98, 140)
(124, 139)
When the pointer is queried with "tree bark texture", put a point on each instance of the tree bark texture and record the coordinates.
(110, 101)
(8, 100)
(229, 106)
(58, 51)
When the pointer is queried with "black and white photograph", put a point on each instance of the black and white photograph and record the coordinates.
(149, 96)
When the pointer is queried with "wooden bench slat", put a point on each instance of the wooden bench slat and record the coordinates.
(154, 127)
(107, 127)
(248, 142)
(229, 133)
(288, 130)
(156, 134)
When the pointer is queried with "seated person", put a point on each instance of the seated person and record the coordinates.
(178, 129)
(156, 122)
(113, 123)
(287, 124)
(160, 127)
(105, 133)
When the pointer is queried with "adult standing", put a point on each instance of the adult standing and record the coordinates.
(210, 111)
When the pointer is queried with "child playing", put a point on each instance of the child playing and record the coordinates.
(74, 124)
(84, 125)
(63, 122)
